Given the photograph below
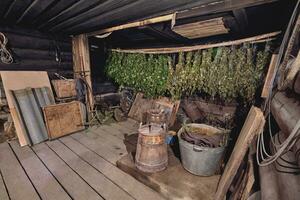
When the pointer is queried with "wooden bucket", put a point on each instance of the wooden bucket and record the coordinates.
(151, 154)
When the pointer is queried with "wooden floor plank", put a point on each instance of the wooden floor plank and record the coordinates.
(42, 179)
(100, 147)
(118, 131)
(76, 187)
(94, 178)
(3, 191)
(125, 181)
(111, 135)
(18, 185)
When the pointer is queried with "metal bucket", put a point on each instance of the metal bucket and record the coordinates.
(202, 161)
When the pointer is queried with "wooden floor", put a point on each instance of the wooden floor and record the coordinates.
(78, 166)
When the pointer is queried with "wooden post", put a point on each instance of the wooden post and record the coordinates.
(268, 84)
(81, 65)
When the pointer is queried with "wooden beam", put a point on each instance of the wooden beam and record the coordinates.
(254, 39)
(153, 20)
(268, 85)
(253, 126)
(82, 66)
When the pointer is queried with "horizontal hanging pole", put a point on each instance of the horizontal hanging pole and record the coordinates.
(254, 39)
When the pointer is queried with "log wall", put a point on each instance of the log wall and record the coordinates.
(33, 50)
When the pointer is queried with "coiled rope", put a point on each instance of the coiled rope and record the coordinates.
(5, 55)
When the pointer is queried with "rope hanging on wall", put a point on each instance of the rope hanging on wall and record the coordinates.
(5, 55)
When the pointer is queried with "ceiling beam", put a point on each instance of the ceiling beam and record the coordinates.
(134, 24)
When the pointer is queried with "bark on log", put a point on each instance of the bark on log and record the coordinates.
(28, 54)
(36, 65)
(286, 112)
(295, 86)
(29, 42)
(277, 185)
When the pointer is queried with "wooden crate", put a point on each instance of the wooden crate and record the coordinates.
(62, 119)
(64, 88)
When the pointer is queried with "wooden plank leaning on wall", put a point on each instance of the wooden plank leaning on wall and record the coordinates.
(252, 127)
(81, 65)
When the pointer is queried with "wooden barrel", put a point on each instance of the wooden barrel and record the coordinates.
(151, 153)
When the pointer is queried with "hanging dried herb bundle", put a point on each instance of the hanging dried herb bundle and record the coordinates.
(146, 73)
(223, 74)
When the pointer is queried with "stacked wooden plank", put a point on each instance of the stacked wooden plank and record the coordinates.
(202, 29)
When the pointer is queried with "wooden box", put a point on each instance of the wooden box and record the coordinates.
(62, 119)
(64, 88)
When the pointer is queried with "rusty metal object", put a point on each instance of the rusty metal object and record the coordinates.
(151, 154)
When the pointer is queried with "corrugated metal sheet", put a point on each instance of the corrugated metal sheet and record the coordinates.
(30, 111)
(43, 96)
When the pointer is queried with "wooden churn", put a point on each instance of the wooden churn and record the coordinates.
(156, 116)
(151, 154)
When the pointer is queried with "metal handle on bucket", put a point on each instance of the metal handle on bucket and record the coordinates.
(199, 149)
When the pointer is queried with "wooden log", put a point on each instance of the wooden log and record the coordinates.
(275, 183)
(27, 54)
(268, 85)
(29, 42)
(38, 65)
(286, 112)
(253, 126)
(253, 39)
(295, 85)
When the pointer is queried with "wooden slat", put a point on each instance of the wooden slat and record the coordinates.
(134, 24)
(3, 192)
(110, 135)
(18, 185)
(113, 144)
(253, 126)
(102, 150)
(268, 85)
(76, 187)
(44, 182)
(136, 189)
(253, 39)
(94, 178)
(203, 28)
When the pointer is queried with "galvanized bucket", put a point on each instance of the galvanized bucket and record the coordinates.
(202, 161)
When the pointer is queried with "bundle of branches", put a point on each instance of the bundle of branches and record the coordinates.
(224, 73)
(145, 73)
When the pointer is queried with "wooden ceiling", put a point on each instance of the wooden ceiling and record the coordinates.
(78, 16)
(71, 17)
